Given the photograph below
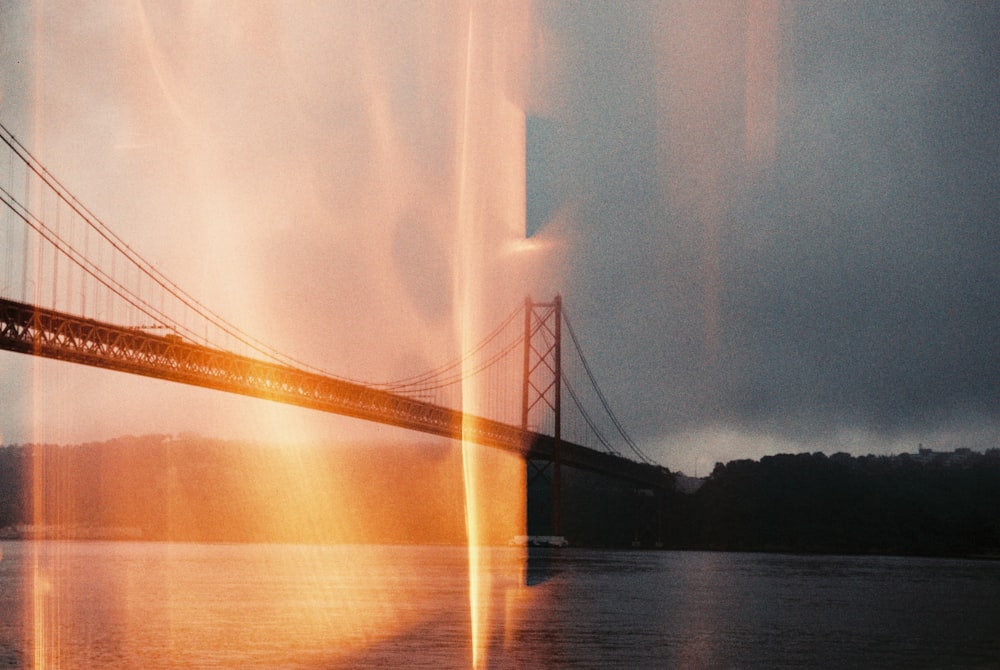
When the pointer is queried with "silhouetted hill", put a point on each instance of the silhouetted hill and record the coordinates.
(212, 490)
(924, 504)
(196, 489)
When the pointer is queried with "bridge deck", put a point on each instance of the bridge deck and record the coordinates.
(52, 334)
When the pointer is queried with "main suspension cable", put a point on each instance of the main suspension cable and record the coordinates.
(600, 394)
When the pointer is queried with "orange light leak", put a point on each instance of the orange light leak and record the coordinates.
(418, 114)
(761, 63)
(490, 175)
(715, 65)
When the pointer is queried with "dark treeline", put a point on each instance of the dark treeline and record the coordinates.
(934, 504)
(924, 504)
(196, 489)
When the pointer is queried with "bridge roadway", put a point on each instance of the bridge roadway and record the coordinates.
(51, 334)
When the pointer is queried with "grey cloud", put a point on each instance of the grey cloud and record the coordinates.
(858, 277)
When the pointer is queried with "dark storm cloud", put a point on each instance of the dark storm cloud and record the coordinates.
(872, 300)
(858, 275)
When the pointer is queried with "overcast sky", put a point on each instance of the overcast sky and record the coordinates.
(774, 224)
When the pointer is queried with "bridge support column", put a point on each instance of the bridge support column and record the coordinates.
(541, 394)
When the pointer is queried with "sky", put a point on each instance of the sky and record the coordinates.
(774, 224)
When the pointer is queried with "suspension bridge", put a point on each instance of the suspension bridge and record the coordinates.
(73, 290)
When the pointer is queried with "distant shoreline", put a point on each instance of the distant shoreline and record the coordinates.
(546, 550)
(199, 490)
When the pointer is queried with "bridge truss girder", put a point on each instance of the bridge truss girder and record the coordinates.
(51, 334)
(56, 335)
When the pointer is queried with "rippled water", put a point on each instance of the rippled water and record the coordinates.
(161, 605)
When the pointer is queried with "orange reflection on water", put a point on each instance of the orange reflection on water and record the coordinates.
(495, 513)
(238, 605)
(327, 593)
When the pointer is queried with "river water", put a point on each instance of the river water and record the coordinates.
(164, 605)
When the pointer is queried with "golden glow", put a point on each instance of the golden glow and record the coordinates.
(469, 395)
(490, 166)
(160, 68)
(216, 164)
(477, 575)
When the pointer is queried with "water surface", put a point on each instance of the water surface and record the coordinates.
(165, 605)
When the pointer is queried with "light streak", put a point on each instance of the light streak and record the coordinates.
(469, 392)
(714, 66)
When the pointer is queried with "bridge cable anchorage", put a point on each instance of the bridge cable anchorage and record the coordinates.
(147, 268)
(600, 394)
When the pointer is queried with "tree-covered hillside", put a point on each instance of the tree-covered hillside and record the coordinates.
(933, 504)
(196, 489)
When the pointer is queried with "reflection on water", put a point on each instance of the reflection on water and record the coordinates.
(159, 605)
(163, 605)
